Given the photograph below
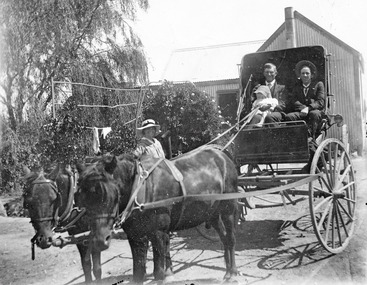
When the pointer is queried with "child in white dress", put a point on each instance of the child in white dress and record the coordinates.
(263, 100)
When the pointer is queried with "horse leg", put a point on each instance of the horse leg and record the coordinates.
(97, 268)
(226, 228)
(169, 271)
(86, 262)
(230, 222)
(139, 248)
(161, 256)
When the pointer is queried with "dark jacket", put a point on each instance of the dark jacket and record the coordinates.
(314, 99)
(278, 92)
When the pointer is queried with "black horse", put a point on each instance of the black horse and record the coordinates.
(201, 172)
(49, 199)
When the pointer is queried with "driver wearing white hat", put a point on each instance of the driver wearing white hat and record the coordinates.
(148, 146)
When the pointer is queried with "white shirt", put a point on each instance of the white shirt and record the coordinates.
(270, 84)
(147, 147)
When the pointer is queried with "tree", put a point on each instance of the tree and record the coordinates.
(190, 115)
(89, 41)
(81, 41)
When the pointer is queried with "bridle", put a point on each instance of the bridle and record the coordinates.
(111, 215)
(56, 220)
(55, 217)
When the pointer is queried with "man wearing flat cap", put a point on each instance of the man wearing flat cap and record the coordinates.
(308, 97)
(148, 145)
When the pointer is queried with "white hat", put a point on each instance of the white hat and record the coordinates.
(148, 124)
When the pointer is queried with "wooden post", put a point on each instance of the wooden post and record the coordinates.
(345, 138)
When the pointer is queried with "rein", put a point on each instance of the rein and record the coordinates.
(138, 183)
(225, 196)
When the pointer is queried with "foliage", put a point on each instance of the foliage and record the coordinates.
(63, 141)
(190, 115)
(91, 42)
(14, 152)
(122, 139)
(80, 41)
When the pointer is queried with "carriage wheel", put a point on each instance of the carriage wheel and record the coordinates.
(332, 196)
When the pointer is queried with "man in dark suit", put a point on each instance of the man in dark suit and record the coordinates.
(278, 92)
(307, 101)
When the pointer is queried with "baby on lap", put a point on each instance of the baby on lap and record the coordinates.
(263, 101)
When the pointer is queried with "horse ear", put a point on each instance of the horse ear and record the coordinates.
(110, 164)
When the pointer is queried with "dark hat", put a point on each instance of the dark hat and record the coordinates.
(301, 64)
(148, 124)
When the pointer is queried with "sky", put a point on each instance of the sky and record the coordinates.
(173, 24)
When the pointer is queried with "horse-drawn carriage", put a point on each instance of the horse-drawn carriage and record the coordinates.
(200, 187)
(286, 150)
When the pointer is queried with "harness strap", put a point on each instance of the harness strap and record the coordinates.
(66, 214)
(227, 196)
(247, 119)
(179, 178)
(138, 182)
(80, 213)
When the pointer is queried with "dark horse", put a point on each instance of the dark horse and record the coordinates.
(203, 171)
(49, 199)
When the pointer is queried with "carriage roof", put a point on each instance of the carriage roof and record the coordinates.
(285, 61)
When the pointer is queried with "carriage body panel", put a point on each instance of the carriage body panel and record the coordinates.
(286, 143)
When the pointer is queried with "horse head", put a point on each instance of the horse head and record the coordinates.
(42, 200)
(98, 194)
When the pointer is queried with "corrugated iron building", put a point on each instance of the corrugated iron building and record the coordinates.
(346, 68)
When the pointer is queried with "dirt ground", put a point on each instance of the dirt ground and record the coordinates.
(274, 246)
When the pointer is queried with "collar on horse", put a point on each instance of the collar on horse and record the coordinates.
(139, 181)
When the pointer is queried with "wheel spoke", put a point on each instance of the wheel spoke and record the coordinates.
(328, 223)
(325, 169)
(322, 203)
(332, 227)
(328, 186)
(340, 180)
(324, 214)
(349, 200)
(342, 222)
(347, 186)
(337, 223)
(346, 212)
(322, 190)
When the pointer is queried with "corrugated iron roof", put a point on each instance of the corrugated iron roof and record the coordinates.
(209, 63)
(300, 17)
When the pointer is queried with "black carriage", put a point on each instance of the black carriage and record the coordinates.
(272, 158)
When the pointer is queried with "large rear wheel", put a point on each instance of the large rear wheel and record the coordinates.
(332, 196)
